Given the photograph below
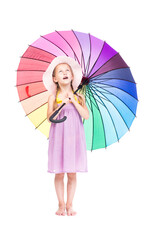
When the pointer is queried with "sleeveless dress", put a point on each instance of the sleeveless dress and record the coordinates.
(67, 145)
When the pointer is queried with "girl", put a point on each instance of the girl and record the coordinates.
(67, 147)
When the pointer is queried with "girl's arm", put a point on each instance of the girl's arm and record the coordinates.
(82, 109)
(52, 106)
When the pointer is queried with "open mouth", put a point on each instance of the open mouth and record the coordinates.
(65, 78)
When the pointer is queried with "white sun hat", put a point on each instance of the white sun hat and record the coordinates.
(48, 79)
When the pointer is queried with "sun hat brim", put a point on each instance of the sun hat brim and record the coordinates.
(50, 85)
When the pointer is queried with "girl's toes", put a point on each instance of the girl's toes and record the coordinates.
(60, 212)
(70, 212)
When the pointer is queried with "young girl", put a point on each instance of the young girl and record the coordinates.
(67, 147)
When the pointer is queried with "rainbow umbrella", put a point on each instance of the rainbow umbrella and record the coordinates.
(108, 85)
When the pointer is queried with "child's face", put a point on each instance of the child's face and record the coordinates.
(63, 74)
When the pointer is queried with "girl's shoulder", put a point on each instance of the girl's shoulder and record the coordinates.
(81, 96)
(51, 98)
(81, 99)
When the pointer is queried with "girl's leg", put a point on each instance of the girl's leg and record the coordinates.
(71, 187)
(59, 186)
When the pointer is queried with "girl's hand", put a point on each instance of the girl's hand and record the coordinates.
(71, 97)
(66, 100)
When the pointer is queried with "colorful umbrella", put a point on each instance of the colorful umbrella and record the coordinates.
(108, 85)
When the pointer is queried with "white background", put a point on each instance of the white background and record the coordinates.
(119, 198)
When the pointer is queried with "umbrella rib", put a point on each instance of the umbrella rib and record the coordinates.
(41, 123)
(30, 70)
(88, 62)
(116, 109)
(102, 121)
(96, 59)
(88, 102)
(110, 116)
(27, 83)
(82, 56)
(32, 96)
(35, 59)
(118, 98)
(88, 94)
(90, 53)
(105, 79)
(69, 45)
(93, 123)
(111, 86)
(55, 45)
(105, 63)
(36, 108)
(97, 100)
(99, 75)
(103, 82)
(43, 50)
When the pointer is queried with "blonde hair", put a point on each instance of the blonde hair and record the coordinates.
(54, 70)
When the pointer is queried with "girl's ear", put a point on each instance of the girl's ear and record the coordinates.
(54, 79)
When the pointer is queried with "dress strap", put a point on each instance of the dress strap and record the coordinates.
(76, 98)
(58, 100)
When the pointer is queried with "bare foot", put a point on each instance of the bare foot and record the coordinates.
(61, 211)
(70, 211)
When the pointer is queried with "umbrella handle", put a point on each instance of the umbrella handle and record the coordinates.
(55, 113)
(58, 120)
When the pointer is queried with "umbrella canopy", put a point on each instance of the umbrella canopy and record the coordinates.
(110, 90)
